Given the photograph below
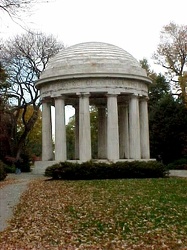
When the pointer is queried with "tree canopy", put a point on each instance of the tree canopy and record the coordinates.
(167, 119)
(171, 54)
(168, 130)
(24, 57)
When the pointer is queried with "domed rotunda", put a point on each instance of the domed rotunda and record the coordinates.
(110, 79)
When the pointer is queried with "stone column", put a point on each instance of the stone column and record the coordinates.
(47, 148)
(123, 132)
(60, 130)
(144, 129)
(76, 132)
(102, 127)
(134, 128)
(112, 128)
(84, 128)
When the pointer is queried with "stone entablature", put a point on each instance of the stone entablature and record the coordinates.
(117, 86)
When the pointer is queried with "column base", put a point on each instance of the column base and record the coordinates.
(40, 166)
(120, 160)
(108, 161)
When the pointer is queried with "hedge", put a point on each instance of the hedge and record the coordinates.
(99, 170)
(180, 164)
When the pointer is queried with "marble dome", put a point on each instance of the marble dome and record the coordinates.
(92, 59)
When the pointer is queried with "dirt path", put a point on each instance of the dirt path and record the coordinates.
(10, 195)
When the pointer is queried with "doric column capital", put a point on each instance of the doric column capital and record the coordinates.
(134, 96)
(83, 94)
(111, 95)
(47, 100)
(144, 98)
(113, 92)
(59, 97)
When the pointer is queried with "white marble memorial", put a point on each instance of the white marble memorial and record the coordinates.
(108, 77)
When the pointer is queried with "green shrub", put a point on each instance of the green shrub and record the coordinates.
(10, 168)
(178, 164)
(3, 173)
(97, 170)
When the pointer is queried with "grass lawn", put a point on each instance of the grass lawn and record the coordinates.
(100, 214)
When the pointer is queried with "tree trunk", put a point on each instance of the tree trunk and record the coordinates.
(28, 127)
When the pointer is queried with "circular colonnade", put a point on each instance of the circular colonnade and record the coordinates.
(112, 80)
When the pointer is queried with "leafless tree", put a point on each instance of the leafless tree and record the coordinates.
(14, 7)
(18, 10)
(24, 58)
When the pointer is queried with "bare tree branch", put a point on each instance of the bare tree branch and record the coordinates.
(14, 7)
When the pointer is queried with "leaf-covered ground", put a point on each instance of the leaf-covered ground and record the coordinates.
(7, 182)
(100, 214)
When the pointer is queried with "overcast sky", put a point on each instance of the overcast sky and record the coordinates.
(133, 25)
